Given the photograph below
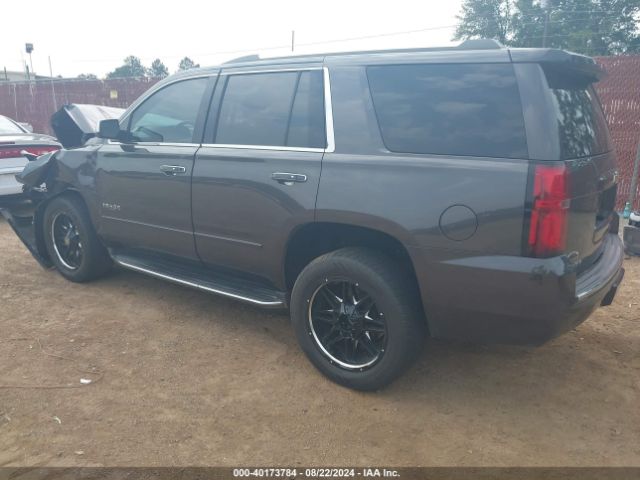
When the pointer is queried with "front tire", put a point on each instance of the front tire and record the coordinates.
(357, 317)
(71, 241)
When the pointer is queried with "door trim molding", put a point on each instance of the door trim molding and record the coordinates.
(229, 239)
(143, 224)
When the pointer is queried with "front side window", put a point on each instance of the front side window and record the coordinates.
(169, 115)
(273, 109)
(454, 109)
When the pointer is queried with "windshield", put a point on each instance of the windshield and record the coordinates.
(8, 126)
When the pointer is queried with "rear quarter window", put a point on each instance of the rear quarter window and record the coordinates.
(582, 126)
(457, 109)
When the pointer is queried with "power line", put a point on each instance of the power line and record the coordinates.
(224, 52)
(361, 37)
(379, 35)
(608, 12)
(278, 47)
(605, 14)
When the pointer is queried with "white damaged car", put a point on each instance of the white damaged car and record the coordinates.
(14, 140)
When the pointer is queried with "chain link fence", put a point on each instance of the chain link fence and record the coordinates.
(620, 96)
(34, 102)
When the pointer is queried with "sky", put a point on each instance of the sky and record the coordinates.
(94, 37)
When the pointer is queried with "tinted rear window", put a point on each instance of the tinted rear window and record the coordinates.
(306, 126)
(273, 109)
(467, 110)
(255, 109)
(581, 123)
(7, 126)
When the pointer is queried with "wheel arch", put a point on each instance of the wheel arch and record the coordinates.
(312, 240)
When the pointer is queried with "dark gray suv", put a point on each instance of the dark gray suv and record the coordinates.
(466, 193)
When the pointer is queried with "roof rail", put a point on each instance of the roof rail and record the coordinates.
(471, 44)
(480, 44)
(246, 58)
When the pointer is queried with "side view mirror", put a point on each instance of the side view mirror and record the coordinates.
(109, 129)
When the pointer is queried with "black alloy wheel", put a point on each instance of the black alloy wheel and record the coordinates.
(346, 325)
(66, 241)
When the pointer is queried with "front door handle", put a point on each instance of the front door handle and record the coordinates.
(288, 178)
(171, 170)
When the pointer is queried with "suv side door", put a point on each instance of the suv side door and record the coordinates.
(144, 184)
(256, 176)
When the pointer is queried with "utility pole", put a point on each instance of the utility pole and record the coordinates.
(546, 29)
(53, 90)
(293, 39)
(29, 49)
(546, 5)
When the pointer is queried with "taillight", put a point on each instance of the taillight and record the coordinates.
(14, 151)
(548, 227)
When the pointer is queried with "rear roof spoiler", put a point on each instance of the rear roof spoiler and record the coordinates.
(480, 44)
(560, 60)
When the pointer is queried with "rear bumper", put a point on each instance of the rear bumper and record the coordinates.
(8, 183)
(516, 300)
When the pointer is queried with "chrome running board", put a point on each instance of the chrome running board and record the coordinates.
(224, 284)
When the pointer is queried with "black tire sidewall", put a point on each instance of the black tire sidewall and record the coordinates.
(69, 207)
(404, 334)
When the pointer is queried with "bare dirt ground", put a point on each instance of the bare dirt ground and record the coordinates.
(192, 379)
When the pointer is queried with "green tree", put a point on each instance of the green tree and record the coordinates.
(591, 27)
(527, 22)
(132, 67)
(485, 19)
(158, 69)
(186, 63)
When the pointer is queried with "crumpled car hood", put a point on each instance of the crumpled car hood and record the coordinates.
(34, 172)
(75, 123)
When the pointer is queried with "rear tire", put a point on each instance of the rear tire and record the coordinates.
(71, 240)
(375, 334)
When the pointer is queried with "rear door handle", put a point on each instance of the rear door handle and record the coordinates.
(170, 170)
(288, 178)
